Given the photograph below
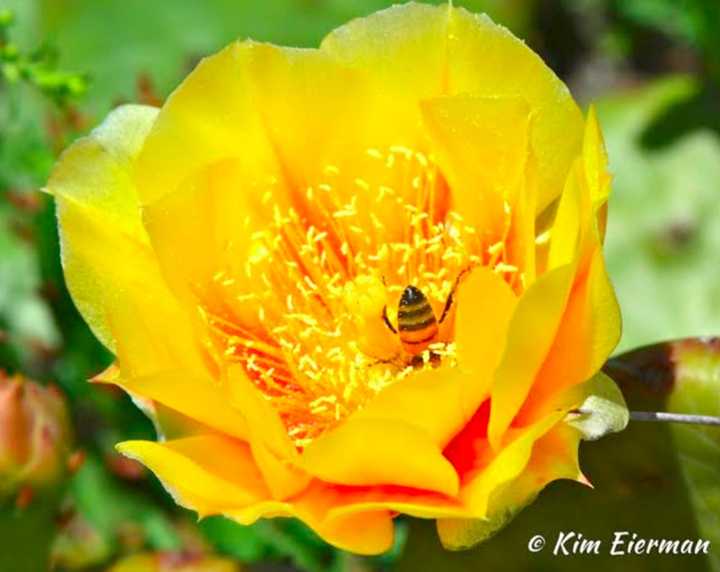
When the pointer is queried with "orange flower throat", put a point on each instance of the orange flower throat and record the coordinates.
(327, 336)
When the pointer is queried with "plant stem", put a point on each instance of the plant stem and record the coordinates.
(664, 417)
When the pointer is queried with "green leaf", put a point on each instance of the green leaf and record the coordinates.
(696, 390)
(107, 506)
(23, 311)
(604, 410)
(662, 237)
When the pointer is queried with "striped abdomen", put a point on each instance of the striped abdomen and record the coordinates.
(417, 325)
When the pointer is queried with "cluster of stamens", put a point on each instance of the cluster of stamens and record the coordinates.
(303, 351)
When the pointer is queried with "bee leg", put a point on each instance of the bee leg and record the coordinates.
(451, 296)
(394, 360)
(387, 320)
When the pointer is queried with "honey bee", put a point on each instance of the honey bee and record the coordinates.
(417, 325)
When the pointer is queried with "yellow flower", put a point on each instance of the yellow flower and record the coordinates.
(246, 253)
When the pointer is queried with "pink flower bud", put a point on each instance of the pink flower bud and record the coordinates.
(34, 434)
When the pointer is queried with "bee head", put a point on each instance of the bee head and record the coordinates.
(411, 296)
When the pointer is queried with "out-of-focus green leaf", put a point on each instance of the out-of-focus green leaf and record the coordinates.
(246, 543)
(26, 533)
(663, 237)
(697, 391)
(108, 506)
(693, 21)
(116, 40)
(22, 310)
(684, 377)
(277, 539)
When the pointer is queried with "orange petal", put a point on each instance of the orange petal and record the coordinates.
(589, 331)
(494, 469)
(369, 532)
(530, 336)
(553, 456)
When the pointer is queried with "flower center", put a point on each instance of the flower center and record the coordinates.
(330, 275)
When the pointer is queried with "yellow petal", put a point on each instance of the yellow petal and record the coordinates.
(487, 60)
(595, 159)
(201, 234)
(435, 402)
(210, 117)
(530, 337)
(520, 242)
(370, 532)
(140, 322)
(343, 456)
(413, 52)
(255, 126)
(413, 502)
(209, 474)
(272, 449)
(481, 144)
(572, 221)
(98, 215)
(96, 171)
(589, 331)
(196, 397)
(485, 305)
(503, 466)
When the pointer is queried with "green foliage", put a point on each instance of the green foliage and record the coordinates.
(696, 390)
(693, 21)
(39, 67)
(662, 238)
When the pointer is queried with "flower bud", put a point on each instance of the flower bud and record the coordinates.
(174, 562)
(34, 434)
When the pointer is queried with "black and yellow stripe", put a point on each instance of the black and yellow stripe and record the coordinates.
(417, 325)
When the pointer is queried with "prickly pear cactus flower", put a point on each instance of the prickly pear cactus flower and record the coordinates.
(351, 282)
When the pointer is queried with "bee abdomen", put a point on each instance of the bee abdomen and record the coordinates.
(417, 325)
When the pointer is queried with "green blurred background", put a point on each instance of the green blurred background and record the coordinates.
(653, 69)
